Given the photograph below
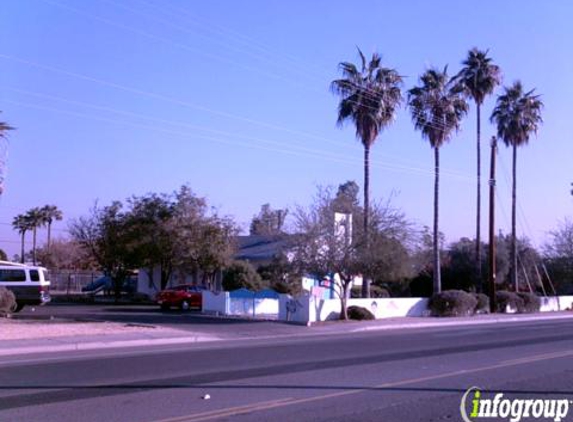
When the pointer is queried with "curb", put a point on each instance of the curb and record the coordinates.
(94, 345)
(461, 323)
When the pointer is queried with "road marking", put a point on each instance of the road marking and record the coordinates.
(226, 412)
(289, 401)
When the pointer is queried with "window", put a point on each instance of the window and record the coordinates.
(46, 275)
(12, 275)
(34, 275)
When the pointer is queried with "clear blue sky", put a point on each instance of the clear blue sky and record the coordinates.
(115, 98)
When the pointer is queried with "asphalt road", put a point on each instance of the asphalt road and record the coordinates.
(411, 375)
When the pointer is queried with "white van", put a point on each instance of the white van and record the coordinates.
(30, 284)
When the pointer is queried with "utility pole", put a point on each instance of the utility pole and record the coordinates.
(492, 269)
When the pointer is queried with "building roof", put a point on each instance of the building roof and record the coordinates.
(258, 248)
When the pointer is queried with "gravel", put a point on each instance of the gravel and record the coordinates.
(11, 329)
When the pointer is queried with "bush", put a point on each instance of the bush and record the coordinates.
(531, 302)
(452, 303)
(482, 306)
(378, 292)
(375, 292)
(241, 274)
(503, 299)
(7, 301)
(358, 313)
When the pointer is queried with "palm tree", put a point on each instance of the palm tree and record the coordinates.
(478, 77)
(370, 95)
(4, 127)
(437, 108)
(35, 217)
(50, 213)
(22, 224)
(517, 115)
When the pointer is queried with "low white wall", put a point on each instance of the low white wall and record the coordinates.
(253, 307)
(307, 309)
(296, 309)
(327, 310)
(217, 303)
(556, 303)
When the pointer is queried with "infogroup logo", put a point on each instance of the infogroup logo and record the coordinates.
(474, 407)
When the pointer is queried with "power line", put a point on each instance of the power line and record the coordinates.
(313, 153)
(437, 125)
(218, 132)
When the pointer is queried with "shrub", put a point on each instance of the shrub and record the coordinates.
(359, 313)
(482, 306)
(375, 292)
(452, 303)
(241, 274)
(356, 292)
(503, 299)
(378, 292)
(531, 302)
(7, 301)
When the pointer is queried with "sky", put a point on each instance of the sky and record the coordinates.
(117, 98)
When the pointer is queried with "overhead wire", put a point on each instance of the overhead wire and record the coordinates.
(168, 99)
(219, 132)
(301, 152)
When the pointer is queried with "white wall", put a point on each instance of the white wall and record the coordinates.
(253, 307)
(216, 303)
(307, 309)
(556, 303)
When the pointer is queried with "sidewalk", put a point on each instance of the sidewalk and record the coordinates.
(48, 342)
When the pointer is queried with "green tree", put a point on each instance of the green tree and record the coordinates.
(370, 95)
(104, 234)
(21, 223)
(478, 77)
(558, 254)
(268, 221)
(66, 254)
(241, 275)
(50, 213)
(36, 220)
(151, 234)
(437, 106)
(325, 245)
(517, 115)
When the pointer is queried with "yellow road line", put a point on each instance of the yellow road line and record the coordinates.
(222, 412)
(233, 411)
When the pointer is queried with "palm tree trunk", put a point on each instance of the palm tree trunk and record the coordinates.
(437, 269)
(513, 221)
(366, 278)
(22, 250)
(479, 283)
(49, 235)
(34, 246)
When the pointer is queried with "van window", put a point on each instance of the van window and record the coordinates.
(46, 275)
(12, 275)
(34, 275)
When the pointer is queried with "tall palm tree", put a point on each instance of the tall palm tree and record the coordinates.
(50, 213)
(22, 224)
(4, 127)
(517, 115)
(438, 107)
(370, 95)
(479, 77)
(35, 217)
